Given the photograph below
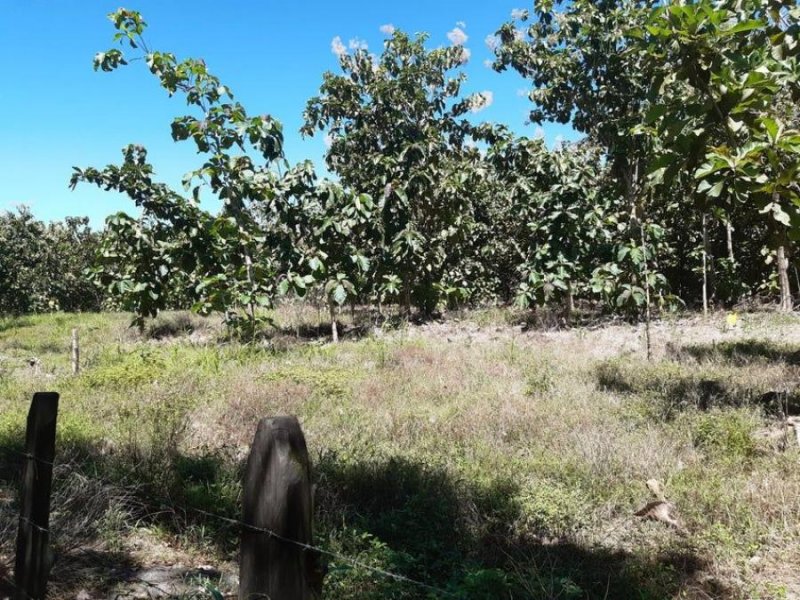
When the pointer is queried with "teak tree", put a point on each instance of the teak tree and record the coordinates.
(398, 131)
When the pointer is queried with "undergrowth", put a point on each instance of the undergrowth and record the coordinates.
(480, 461)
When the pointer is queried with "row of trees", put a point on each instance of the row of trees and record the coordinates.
(684, 186)
(44, 266)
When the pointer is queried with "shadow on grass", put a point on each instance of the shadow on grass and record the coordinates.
(740, 353)
(676, 387)
(402, 516)
(417, 520)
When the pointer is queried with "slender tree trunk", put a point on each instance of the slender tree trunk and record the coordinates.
(705, 265)
(783, 278)
(407, 302)
(797, 278)
(334, 328)
(570, 302)
(729, 232)
(646, 294)
(637, 206)
(251, 307)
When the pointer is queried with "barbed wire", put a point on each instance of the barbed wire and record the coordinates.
(35, 458)
(352, 562)
(310, 547)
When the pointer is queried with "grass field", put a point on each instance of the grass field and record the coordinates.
(478, 457)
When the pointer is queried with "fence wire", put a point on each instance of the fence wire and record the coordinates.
(352, 562)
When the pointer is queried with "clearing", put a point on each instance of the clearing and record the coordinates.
(480, 458)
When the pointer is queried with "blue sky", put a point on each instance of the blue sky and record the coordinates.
(59, 113)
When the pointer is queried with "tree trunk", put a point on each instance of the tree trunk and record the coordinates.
(334, 328)
(251, 307)
(646, 294)
(705, 265)
(783, 278)
(570, 302)
(637, 202)
(729, 232)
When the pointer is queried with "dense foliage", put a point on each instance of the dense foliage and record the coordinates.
(43, 266)
(683, 189)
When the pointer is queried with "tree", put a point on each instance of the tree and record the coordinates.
(565, 213)
(723, 69)
(577, 56)
(43, 266)
(398, 131)
(229, 262)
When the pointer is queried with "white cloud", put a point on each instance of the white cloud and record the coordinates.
(558, 141)
(337, 47)
(488, 63)
(482, 100)
(387, 29)
(357, 44)
(519, 35)
(538, 133)
(327, 140)
(457, 37)
(519, 13)
(492, 41)
(522, 93)
(461, 24)
(466, 54)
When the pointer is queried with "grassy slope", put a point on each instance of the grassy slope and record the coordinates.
(470, 455)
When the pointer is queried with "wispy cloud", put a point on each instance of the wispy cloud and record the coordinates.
(482, 100)
(457, 37)
(337, 47)
(461, 24)
(357, 44)
(538, 133)
(492, 41)
(519, 13)
(387, 29)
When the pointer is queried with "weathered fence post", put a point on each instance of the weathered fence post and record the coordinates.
(278, 499)
(33, 555)
(76, 353)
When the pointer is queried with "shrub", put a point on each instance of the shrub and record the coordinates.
(725, 433)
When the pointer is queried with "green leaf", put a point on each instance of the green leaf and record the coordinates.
(339, 294)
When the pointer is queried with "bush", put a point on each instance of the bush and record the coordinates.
(727, 434)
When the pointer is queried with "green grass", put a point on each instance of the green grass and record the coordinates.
(483, 461)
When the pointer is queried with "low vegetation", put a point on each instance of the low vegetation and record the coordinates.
(467, 454)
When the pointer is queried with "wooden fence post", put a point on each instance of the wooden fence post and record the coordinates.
(76, 353)
(278, 498)
(33, 556)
